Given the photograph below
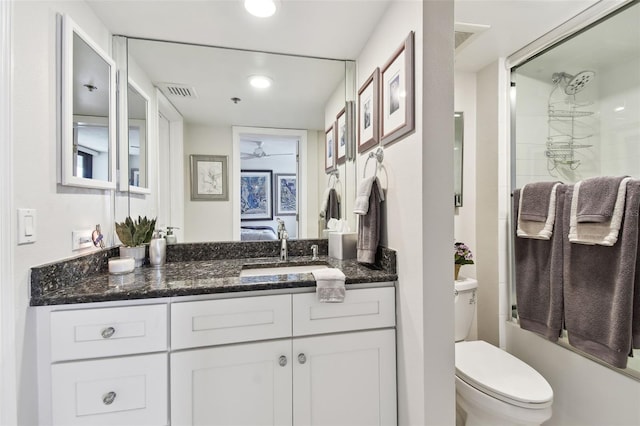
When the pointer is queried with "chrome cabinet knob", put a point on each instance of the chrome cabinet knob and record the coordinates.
(108, 332)
(282, 361)
(108, 398)
(302, 358)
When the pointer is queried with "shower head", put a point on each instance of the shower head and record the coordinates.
(573, 84)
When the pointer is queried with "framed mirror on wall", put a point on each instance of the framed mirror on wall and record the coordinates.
(87, 110)
(137, 174)
(458, 158)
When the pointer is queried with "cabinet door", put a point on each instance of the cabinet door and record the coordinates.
(243, 384)
(345, 379)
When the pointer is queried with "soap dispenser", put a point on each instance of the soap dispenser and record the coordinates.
(157, 250)
(171, 237)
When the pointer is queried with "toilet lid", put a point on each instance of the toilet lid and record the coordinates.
(501, 375)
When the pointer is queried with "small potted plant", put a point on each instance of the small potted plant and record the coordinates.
(462, 256)
(134, 235)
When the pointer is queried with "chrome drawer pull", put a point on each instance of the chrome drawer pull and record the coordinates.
(109, 398)
(302, 358)
(282, 361)
(108, 332)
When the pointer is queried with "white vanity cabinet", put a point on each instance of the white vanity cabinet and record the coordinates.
(335, 366)
(265, 359)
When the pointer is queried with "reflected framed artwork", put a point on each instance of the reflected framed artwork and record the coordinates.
(256, 200)
(209, 178)
(369, 112)
(341, 133)
(330, 148)
(397, 99)
(286, 185)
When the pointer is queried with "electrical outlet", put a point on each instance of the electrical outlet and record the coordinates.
(81, 239)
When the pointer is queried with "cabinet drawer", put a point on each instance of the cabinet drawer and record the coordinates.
(119, 391)
(216, 322)
(92, 333)
(361, 309)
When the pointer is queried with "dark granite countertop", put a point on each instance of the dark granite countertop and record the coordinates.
(192, 274)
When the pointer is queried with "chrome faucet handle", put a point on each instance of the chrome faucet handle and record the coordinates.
(314, 252)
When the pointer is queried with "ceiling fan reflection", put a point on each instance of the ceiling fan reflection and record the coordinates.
(259, 152)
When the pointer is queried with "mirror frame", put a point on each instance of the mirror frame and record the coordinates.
(68, 28)
(124, 153)
(459, 154)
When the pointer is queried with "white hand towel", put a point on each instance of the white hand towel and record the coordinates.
(329, 284)
(597, 233)
(361, 205)
(538, 230)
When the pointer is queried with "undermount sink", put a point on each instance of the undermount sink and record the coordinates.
(280, 270)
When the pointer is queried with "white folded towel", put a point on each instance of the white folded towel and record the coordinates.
(597, 233)
(538, 230)
(329, 284)
(361, 205)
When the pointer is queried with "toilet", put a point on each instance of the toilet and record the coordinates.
(492, 386)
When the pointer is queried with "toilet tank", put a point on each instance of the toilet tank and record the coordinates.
(465, 306)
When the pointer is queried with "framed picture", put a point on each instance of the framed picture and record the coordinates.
(397, 81)
(256, 201)
(286, 194)
(369, 112)
(330, 149)
(341, 142)
(209, 178)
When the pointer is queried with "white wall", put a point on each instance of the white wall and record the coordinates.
(465, 216)
(417, 214)
(207, 220)
(60, 210)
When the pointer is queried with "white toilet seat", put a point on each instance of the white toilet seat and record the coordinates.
(501, 375)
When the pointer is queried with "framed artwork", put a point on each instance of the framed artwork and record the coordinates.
(256, 201)
(330, 149)
(286, 194)
(397, 103)
(341, 142)
(209, 178)
(369, 112)
(134, 178)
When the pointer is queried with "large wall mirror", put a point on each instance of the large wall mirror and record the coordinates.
(87, 130)
(212, 90)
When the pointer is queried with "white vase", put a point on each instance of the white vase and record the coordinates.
(138, 253)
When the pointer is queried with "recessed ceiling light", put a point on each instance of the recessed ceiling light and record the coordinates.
(260, 81)
(260, 8)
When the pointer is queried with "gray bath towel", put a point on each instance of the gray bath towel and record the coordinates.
(333, 207)
(538, 268)
(601, 288)
(597, 198)
(535, 201)
(369, 228)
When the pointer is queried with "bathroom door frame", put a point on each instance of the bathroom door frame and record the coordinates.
(8, 400)
(303, 174)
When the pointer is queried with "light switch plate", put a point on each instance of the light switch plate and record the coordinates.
(27, 229)
(81, 239)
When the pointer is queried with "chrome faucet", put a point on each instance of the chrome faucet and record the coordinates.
(314, 252)
(283, 235)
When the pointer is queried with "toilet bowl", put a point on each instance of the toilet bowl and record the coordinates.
(492, 386)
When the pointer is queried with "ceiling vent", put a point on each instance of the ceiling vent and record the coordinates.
(466, 33)
(177, 90)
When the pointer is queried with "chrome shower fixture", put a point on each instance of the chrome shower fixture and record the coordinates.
(573, 84)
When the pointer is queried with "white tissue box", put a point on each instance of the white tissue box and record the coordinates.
(342, 245)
